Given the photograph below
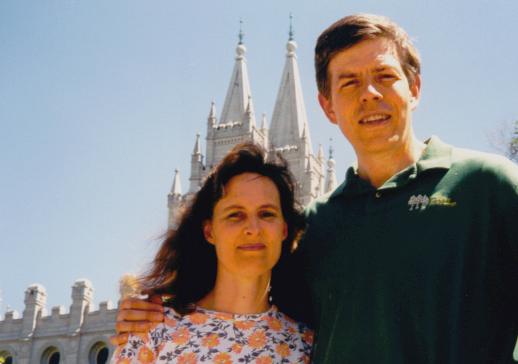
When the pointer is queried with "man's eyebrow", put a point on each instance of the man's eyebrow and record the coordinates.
(385, 68)
(347, 75)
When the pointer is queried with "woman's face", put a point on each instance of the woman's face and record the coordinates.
(247, 226)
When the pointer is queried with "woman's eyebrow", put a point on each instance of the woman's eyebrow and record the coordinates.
(270, 206)
(233, 207)
(241, 207)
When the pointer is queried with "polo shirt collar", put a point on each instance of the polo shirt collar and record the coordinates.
(437, 155)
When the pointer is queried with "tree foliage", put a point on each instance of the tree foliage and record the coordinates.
(513, 144)
(504, 140)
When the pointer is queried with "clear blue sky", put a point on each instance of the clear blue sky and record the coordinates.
(100, 101)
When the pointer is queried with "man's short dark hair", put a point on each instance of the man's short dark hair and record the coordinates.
(354, 29)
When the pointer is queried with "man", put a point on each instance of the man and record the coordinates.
(413, 258)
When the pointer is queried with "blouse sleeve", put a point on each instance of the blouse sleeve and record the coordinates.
(140, 349)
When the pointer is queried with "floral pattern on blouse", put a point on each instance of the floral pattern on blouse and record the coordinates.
(206, 336)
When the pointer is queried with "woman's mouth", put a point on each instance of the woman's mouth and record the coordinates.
(252, 247)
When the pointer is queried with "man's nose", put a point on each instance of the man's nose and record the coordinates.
(370, 93)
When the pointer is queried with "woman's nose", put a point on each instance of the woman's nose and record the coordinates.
(252, 226)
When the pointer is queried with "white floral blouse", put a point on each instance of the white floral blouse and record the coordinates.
(206, 336)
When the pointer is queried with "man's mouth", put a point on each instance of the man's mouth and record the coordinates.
(374, 119)
(252, 247)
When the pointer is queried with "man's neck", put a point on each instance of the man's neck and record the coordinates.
(243, 295)
(377, 168)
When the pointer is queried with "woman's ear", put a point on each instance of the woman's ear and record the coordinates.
(207, 231)
(285, 231)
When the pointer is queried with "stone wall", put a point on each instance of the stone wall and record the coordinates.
(80, 336)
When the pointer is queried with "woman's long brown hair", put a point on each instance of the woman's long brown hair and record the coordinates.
(185, 265)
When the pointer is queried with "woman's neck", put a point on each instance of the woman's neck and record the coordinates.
(238, 295)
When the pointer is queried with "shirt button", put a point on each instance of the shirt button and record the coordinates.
(378, 194)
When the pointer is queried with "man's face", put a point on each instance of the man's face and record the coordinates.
(370, 97)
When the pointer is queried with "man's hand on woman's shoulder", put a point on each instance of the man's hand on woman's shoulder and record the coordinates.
(137, 316)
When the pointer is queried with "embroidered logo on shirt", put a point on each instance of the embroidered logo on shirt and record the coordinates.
(421, 202)
(441, 200)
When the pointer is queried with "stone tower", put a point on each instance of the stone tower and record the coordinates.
(82, 297)
(35, 300)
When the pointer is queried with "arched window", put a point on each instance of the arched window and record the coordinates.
(98, 353)
(54, 358)
(51, 356)
(6, 357)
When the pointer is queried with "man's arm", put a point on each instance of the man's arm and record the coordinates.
(137, 316)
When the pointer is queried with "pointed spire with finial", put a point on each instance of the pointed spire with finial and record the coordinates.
(197, 147)
(305, 140)
(238, 93)
(176, 189)
(320, 155)
(289, 118)
(212, 114)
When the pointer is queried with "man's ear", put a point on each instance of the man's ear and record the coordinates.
(207, 231)
(327, 106)
(415, 90)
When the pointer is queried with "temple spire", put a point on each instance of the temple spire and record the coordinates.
(196, 166)
(197, 147)
(176, 189)
(238, 93)
(211, 119)
(289, 117)
(320, 155)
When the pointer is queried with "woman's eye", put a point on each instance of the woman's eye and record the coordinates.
(267, 214)
(235, 216)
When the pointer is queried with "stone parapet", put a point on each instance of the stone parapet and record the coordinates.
(78, 335)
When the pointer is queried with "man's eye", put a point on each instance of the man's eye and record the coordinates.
(387, 77)
(349, 83)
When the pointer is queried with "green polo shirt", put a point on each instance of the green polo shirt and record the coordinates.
(423, 269)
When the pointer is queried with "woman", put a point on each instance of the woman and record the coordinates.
(226, 261)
